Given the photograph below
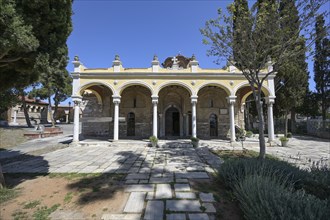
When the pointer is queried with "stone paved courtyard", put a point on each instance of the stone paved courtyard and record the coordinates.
(159, 180)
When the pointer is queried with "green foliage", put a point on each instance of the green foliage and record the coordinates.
(289, 135)
(8, 99)
(272, 197)
(43, 212)
(7, 194)
(32, 204)
(68, 197)
(322, 64)
(194, 139)
(249, 134)
(284, 139)
(153, 139)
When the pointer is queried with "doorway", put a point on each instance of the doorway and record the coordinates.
(172, 122)
(213, 125)
(131, 124)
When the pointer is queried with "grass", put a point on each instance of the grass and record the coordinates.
(43, 212)
(7, 194)
(237, 154)
(19, 215)
(10, 137)
(32, 204)
(73, 176)
(68, 197)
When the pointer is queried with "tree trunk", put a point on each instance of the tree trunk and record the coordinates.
(26, 114)
(286, 123)
(324, 112)
(261, 124)
(50, 111)
(56, 102)
(2, 179)
(293, 121)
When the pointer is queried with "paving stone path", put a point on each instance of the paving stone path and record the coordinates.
(158, 180)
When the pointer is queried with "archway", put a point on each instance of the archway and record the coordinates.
(172, 122)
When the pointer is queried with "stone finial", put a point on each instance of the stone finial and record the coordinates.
(76, 58)
(155, 58)
(117, 57)
(193, 58)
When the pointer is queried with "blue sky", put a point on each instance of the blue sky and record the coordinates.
(136, 30)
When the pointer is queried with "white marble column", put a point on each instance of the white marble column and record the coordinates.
(15, 117)
(76, 101)
(194, 119)
(154, 121)
(270, 101)
(116, 101)
(231, 102)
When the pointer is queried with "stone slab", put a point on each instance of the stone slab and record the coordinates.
(121, 217)
(198, 216)
(185, 195)
(183, 205)
(206, 197)
(181, 187)
(209, 208)
(154, 210)
(135, 202)
(176, 217)
(137, 176)
(163, 191)
(140, 188)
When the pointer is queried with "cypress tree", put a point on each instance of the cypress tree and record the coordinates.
(322, 65)
(293, 72)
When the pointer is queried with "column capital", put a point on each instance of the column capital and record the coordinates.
(76, 99)
(231, 99)
(154, 99)
(270, 100)
(116, 99)
(194, 99)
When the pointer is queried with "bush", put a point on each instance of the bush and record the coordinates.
(263, 197)
(194, 139)
(289, 135)
(316, 182)
(153, 139)
(284, 139)
(249, 134)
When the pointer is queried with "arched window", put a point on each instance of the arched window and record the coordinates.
(213, 125)
(131, 124)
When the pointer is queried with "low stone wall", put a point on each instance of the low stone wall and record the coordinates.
(315, 128)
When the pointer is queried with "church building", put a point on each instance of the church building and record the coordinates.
(173, 100)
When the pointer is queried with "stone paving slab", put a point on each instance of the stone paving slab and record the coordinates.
(185, 195)
(140, 188)
(176, 217)
(154, 210)
(206, 197)
(183, 205)
(163, 191)
(121, 217)
(198, 217)
(182, 187)
(135, 202)
(209, 207)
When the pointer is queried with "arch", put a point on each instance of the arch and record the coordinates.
(98, 96)
(174, 83)
(95, 83)
(219, 85)
(135, 83)
(264, 89)
(245, 97)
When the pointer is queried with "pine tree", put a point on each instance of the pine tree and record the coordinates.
(293, 72)
(322, 65)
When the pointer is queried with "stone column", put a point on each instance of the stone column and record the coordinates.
(194, 119)
(231, 102)
(270, 101)
(116, 101)
(154, 121)
(15, 117)
(76, 101)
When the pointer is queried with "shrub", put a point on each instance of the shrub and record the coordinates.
(263, 197)
(289, 135)
(249, 134)
(194, 139)
(153, 139)
(284, 139)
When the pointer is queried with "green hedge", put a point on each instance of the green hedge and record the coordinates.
(263, 197)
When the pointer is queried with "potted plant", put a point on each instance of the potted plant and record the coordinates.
(194, 141)
(154, 141)
(284, 141)
(249, 134)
